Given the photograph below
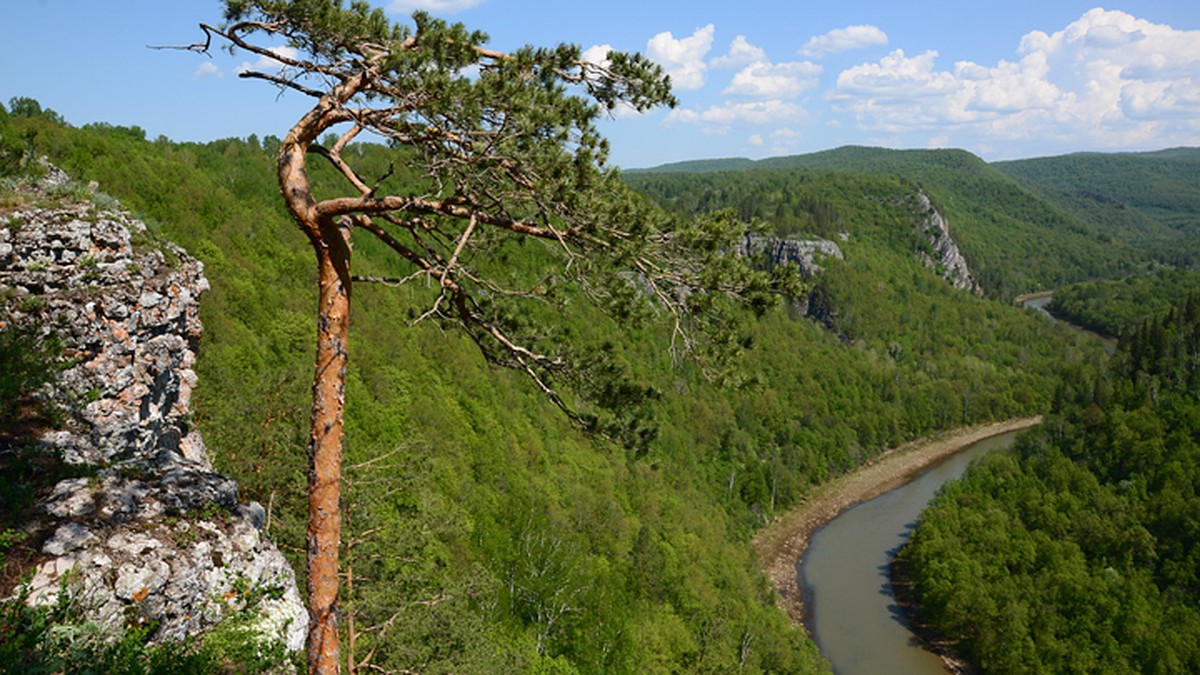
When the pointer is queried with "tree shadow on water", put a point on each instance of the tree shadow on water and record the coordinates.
(897, 586)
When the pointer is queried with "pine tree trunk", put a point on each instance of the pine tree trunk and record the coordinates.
(325, 446)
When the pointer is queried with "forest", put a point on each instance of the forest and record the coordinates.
(1020, 230)
(487, 533)
(1119, 306)
(1078, 552)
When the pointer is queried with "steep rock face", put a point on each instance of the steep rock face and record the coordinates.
(804, 253)
(151, 532)
(946, 256)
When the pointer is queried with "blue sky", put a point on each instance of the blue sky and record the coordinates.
(754, 79)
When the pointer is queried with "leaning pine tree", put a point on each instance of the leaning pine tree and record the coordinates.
(506, 149)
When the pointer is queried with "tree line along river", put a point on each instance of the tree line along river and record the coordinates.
(844, 574)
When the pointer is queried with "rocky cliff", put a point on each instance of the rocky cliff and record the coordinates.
(946, 258)
(143, 528)
(804, 253)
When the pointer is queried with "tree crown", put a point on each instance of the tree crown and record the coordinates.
(505, 149)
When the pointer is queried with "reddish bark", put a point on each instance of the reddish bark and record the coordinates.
(330, 240)
(325, 446)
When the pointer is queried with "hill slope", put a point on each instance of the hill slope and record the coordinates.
(1020, 229)
(1080, 550)
(1148, 200)
(502, 538)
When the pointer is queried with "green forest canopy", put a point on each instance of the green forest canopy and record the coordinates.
(1023, 226)
(498, 509)
(1080, 551)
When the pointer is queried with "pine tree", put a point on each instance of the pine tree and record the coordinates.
(506, 148)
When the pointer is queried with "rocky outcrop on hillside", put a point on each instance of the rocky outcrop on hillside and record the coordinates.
(804, 253)
(146, 530)
(946, 259)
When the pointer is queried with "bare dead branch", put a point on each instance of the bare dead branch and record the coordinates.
(378, 458)
(281, 82)
(387, 281)
(335, 158)
(198, 47)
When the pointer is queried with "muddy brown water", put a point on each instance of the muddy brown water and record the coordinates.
(844, 573)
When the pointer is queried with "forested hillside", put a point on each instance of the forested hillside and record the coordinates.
(1078, 552)
(485, 533)
(1119, 306)
(1020, 230)
(1128, 195)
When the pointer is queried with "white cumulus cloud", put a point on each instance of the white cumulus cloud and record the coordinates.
(897, 75)
(843, 40)
(267, 64)
(741, 53)
(728, 114)
(597, 54)
(1118, 65)
(774, 80)
(206, 69)
(1008, 87)
(1108, 79)
(683, 58)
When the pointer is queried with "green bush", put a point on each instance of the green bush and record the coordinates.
(28, 360)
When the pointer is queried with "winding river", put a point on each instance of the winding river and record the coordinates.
(1040, 301)
(844, 574)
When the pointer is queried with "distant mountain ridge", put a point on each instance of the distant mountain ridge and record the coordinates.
(1022, 225)
(1160, 187)
(841, 158)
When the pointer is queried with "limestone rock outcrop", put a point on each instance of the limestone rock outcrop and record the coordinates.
(804, 253)
(150, 530)
(946, 259)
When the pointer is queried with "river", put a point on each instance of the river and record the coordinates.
(844, 574)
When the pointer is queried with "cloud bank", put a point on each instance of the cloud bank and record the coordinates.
(1109, 79)
(1106, 80)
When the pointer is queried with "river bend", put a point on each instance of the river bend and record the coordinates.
(844, 574)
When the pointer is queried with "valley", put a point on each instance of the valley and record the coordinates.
(782, 544)
(486, 532)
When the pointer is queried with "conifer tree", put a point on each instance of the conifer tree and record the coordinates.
(505, 148)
